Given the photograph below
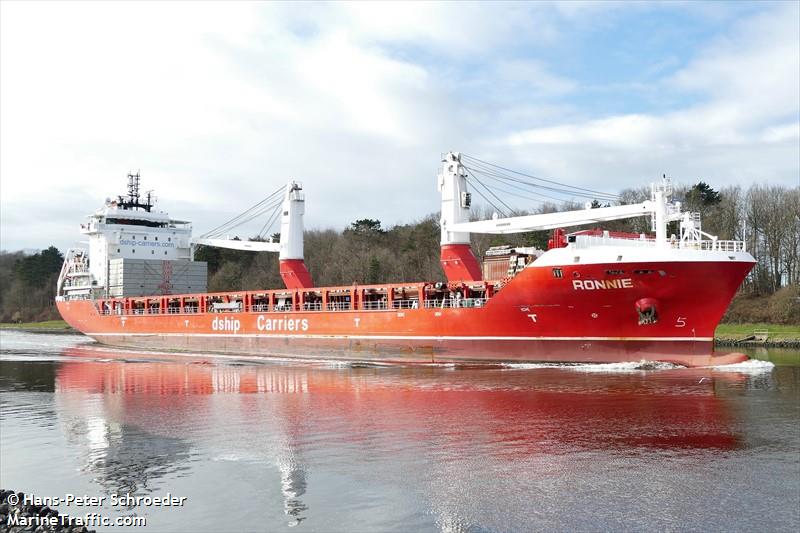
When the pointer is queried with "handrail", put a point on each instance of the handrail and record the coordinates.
(108, 307)
(587, 241)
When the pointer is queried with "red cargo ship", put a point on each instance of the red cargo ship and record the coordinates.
(593, 296)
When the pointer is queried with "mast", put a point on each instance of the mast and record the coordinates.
(293, 269)
(458, 261)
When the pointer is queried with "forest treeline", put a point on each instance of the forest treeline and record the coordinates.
(767, 217)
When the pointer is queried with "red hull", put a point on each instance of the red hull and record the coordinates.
(535, 317)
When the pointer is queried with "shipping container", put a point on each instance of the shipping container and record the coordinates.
(144, 277)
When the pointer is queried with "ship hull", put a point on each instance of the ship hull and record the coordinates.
(588, 313)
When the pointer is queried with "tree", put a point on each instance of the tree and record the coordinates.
(366, 227)
(702, 195)
(37, 269)
(374, 273)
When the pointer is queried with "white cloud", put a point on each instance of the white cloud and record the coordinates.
(745, 128)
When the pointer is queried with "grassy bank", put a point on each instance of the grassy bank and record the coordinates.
(740, 331)
(48, 325)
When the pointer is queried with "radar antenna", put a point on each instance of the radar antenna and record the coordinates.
(132, 201)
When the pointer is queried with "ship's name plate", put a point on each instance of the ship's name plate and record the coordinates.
(600, 284)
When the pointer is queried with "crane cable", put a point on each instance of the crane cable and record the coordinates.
(500, 172)
(270, 202)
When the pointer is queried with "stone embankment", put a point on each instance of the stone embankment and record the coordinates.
(771, 343)
(18, 517)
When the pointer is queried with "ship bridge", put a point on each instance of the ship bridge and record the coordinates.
(128, 238)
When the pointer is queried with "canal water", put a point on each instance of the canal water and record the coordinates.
(249, 445)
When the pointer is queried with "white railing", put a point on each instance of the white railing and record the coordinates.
(455, 303)
(722, 246)
(590, 241)
(375, 305)
(405, 304)
(445, 303)
(76, 265)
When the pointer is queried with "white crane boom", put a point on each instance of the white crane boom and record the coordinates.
(233, 244)
(562, 219)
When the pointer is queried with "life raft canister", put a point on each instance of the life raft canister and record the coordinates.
(647, 308)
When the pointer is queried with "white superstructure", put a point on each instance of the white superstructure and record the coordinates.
(116, 232)
(124, 228)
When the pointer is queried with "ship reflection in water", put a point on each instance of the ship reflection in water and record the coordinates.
(258, 445)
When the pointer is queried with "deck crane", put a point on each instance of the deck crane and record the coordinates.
(293, 270)
(460, 264)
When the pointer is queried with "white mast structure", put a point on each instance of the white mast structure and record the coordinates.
(456, 199)
(457, 259)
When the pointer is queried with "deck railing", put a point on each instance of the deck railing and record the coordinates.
(453, 303)
(378, 305)
(590, 241)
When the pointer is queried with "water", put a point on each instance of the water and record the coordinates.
(275, 446)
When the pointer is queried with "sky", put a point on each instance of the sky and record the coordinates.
(219, 104)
